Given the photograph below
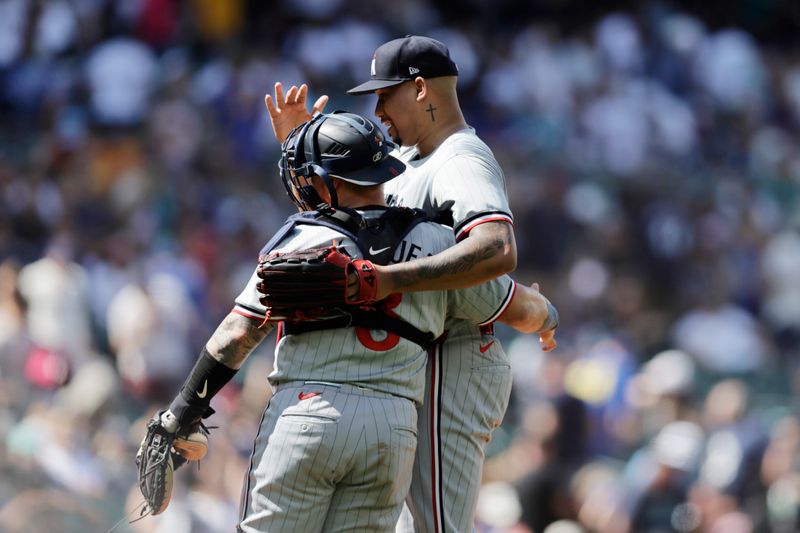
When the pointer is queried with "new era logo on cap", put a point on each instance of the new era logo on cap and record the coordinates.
(404, 59)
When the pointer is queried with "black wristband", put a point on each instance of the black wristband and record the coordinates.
(206, 379)
(551, 322)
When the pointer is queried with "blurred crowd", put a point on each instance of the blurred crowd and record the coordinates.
(653, 166)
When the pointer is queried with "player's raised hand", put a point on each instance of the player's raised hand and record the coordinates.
(286, 111)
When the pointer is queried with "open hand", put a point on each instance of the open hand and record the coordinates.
(289, 111)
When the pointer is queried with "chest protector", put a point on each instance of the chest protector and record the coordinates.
(377, 239)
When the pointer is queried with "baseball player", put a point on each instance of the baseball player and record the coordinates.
(336, 444)
(448, 169)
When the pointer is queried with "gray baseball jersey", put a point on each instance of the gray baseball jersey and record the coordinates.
(469, 375)
(336, 443)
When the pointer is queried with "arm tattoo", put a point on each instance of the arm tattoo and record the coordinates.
(435, 267)
(235, 338)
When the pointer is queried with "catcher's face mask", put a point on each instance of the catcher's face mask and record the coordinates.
(296, 170)
(341, 145)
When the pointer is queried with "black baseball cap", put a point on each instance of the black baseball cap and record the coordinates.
(404, 59)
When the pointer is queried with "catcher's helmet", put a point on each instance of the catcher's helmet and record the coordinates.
(341, 145)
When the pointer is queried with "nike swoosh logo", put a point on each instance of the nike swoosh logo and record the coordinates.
(484, 347)
(376, 252)
(202, 393)
(307, 395)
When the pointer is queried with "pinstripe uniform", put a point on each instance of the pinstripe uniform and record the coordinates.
(335, 448)
(469, 376)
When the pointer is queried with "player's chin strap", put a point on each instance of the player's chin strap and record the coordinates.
(369, 318)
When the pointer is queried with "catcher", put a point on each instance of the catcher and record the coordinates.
(336, 444)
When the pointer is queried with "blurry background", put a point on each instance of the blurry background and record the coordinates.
(652, 157)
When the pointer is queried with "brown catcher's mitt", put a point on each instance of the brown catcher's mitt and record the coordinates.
(313, 283)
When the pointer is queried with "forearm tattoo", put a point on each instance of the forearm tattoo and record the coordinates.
(442, 265)
(235, 338)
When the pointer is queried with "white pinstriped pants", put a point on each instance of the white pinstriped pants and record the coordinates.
(467, 393)
(330, 458)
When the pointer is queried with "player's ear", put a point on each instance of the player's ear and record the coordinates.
(421, 87)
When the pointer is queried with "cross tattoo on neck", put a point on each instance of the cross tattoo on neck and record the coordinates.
(430, 110)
